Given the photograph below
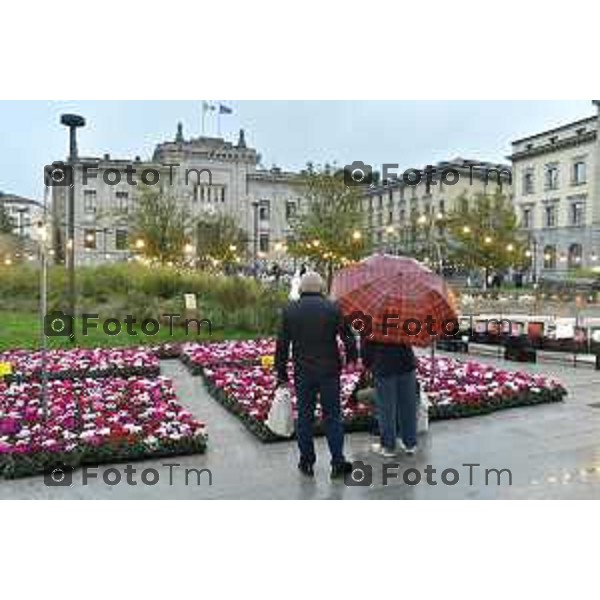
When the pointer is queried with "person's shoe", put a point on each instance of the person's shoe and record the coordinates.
(400, 445)
(306, 469)
(340, 469)
(387, 453)
(410, 451)
(376, 448)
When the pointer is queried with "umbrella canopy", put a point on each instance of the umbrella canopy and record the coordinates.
(396, 300)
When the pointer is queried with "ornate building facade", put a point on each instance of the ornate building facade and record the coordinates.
(556, 194)
(401, 216)
(210, 175)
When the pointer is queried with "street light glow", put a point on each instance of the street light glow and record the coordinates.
(487, 239)
(466, 229)
(140, 243)
(356, 235)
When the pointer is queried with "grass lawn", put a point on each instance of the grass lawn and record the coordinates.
(23, 330)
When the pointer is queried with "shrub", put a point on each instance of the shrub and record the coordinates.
(118, 289)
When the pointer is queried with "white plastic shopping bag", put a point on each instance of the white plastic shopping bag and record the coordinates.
(423, 413)
(281, 419)
(295, 288)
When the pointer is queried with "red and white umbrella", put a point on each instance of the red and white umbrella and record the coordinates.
(397, 300)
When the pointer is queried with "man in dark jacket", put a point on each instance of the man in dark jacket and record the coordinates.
(312, 325)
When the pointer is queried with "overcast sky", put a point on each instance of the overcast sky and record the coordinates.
(286, 134)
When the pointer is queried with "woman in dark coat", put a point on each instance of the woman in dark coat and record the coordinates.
(394, 372)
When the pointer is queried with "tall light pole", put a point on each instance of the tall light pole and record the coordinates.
(72, 122)
(255, 239)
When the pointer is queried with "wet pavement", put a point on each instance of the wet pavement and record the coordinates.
(551, 451)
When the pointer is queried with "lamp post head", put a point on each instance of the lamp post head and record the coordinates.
(72, 120)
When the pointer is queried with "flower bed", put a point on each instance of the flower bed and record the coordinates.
(197, 357)
(91, 421)
(247, 391)
(83, 362)
(465, 389)
(457, 389)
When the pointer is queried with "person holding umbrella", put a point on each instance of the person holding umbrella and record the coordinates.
(394, 371)
(312, 326)
(400, 303)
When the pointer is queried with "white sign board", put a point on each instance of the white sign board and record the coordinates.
(190, 301)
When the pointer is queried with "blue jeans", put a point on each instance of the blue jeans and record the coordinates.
(308, 387)
(396, 403)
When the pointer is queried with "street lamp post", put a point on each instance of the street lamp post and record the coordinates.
(255, 238)
(72, 122)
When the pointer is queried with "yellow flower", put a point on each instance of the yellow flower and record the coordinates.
(5, 369)
(267, 361)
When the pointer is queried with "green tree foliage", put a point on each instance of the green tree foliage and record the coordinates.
(482, 233)
(160, 226)
(220, 239)
(328, 232)
(6, 222)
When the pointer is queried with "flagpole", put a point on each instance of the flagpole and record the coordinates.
(203, 115)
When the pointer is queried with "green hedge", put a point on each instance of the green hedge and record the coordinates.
(130, 288)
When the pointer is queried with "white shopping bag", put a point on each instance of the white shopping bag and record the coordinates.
(281, 419)
(423, 413)
(295, 288)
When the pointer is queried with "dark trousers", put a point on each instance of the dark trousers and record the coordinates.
(396, 401)
(327, 388)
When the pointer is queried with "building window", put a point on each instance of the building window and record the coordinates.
(379, 237)
(575, 254)
(121, 239)
(577, 213)
(579, 174)
(222, 194)
(402, 215)
(122, 200)
(442, 207)
(549, 257)
(526, 221)
(89, 201)
(89, 239)
(380, 202)
(264, 210)
(380, 219)
(551, 177)
(290, 210)
(263, 242)
(528, 182)
(550, 212)
(390, 217)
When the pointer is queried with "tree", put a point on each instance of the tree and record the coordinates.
(160, 226)
(328, 231)
(218, 238)
(483, 233)
(6, 222)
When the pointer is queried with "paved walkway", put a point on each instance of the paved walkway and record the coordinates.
(552, 451)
